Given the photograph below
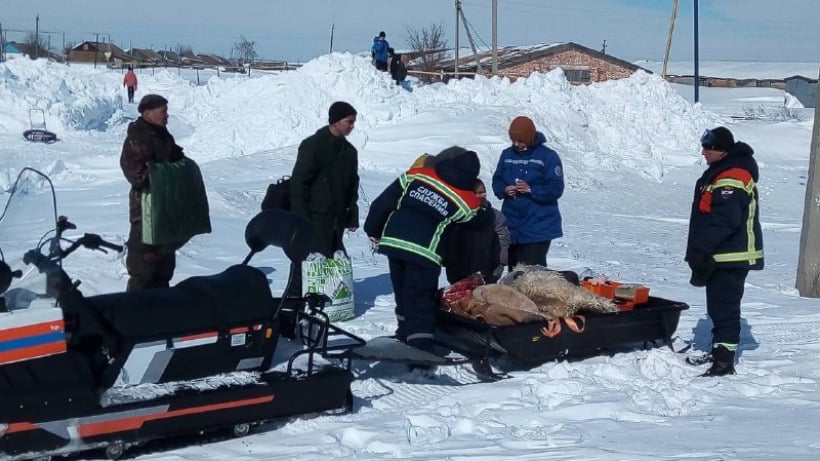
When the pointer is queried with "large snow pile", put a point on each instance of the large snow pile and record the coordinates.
(635, 125)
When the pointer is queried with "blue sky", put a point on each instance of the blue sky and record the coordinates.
(739, 30)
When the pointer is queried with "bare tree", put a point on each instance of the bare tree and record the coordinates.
(38, 44)
(430, 46)
(244, 51)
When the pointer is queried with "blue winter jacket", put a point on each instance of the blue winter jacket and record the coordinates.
(532, 217)
(379, 49)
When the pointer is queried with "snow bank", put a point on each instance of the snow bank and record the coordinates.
(635, 125)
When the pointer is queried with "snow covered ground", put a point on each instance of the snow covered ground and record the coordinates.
(631, 157)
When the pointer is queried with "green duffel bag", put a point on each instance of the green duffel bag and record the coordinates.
(175, 205)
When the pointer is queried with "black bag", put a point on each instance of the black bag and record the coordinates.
(278, 195)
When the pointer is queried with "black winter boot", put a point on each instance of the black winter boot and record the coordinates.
(724, 362)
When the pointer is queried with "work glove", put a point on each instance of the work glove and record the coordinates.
(703, 266)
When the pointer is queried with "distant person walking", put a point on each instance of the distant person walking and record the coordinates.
(130, 83)
(379, 51)
(725, 239)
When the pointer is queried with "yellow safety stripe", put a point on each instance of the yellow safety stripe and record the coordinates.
(410, 247)
(734, 183)
(750, 230)
(730, 346)
(750, 256)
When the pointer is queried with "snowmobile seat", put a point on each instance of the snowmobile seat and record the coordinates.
(237, 296)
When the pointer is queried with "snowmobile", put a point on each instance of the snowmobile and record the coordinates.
(38, 132)
(115, 370)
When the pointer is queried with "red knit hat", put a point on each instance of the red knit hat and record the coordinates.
(522, 129)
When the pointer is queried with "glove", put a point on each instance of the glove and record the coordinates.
(374, 244)
(703, 266)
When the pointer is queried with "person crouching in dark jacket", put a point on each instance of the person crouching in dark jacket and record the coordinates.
(408, 220)
(472, 249)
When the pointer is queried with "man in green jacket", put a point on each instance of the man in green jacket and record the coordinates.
(324, 185)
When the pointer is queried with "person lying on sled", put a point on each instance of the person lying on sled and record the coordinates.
(407, 221)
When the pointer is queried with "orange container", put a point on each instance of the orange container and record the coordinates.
(604, 290)
(625, 295)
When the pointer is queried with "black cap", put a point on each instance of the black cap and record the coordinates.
(382, 34)
(719, 138)
(151, 101)
(458, 167)
(339, 110)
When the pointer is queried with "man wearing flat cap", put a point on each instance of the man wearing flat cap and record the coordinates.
(325, 182)
(148, 140)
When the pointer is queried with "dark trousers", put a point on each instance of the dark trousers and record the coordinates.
(381, 65)
(530, 254)
(149, 266)
(414, 287)
(724, 290)
(131, 93)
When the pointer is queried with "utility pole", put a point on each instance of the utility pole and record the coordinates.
(2, 44)
(603, 47)
(332, 28)
(495, 37)
(697, 63)
(669, 38)
(96, 48)
(37, 37)
(455, 63)
(808, 260)
(472, 42)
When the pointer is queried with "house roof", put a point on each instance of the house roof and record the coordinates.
(511, 56)
(213, 60)
(145, 55)
(168, 55)
(22, 48)
(800, 77)
(116, 52)
(28, 50)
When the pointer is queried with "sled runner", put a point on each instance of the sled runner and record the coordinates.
(116, 370)
(38, 131)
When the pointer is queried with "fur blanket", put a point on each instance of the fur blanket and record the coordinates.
(494, 314)
(555, 296)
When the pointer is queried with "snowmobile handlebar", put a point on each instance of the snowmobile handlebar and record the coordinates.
(93, 242)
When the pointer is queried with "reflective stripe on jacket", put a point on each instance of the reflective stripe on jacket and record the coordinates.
(410, 216)
(725, 218)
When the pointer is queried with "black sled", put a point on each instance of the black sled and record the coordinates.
(38, 131)
(113, 371)
(649, 324)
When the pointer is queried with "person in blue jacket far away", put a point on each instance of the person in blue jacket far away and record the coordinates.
(379, 51)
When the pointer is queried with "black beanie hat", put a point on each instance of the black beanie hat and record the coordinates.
(151, 101)
(339, 110)
(459, 169)
(719, 138)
